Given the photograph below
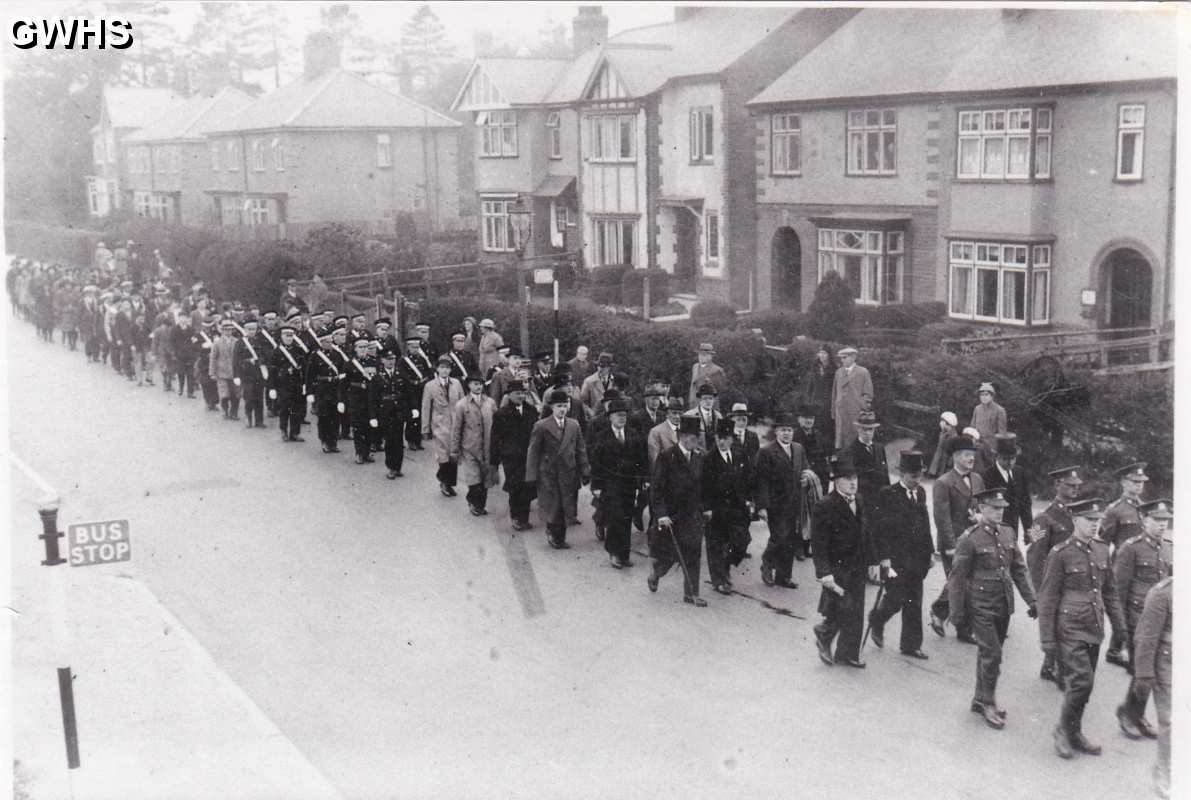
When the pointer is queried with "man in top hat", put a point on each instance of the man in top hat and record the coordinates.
(291, 299)
(1122, 521)
(705, 371)
(707, 414)
(222, 370)
(503, 376)
(591, 392)
(677, 505)
(324, 371)
(851, 393)
(619, 469)
(953, 501)
(580, 365)
(387, 406)
(989, 419)
(816, 446)
(843, 552)
(1052, 527)
(353, 399)
(1004, 474)
(556, 463)
(286, 374)
(1153, 669)
(1077, 590)
(781, 472)
(1140, 563)
(727, 495)
(440, 395)
(987, 565)
(490, 343)
(471, 444)
(869, 458)
(251, 371)
(417, 368)
(903, 543)
(512, 427)
(463, 363)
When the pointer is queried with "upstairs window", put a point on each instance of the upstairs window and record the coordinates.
(97, 154)
(258, 155)
(498, 134)
(711, 221)
(1004, 144)
(384, 150)
(554, 134)
(215, 148)
(613, 137)
(872, 142)
(787, 144)
(1131, 125)
(233, 155)
(702, 136)
(278, 154)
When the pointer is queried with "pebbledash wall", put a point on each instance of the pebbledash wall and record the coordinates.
(1083, 212)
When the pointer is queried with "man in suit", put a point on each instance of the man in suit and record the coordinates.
(843, 551)
(222, 370)
(748, 441)
(851, 393)
(1004, 474)
(512, 427)
(664, 435)
(727, 494)
(652, 413)
(904, 547)
(1051, 528)
(505, 375)
(781, 472)
(591, 391)
(707, 414)
(471, 444)
(869, 458)
(439, 397)
(556, 464)
(816, 447)
(705, 370)
(677, 505)
(954, 509)
(618, 471)
(580, 365)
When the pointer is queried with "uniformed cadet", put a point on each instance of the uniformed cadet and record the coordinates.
(1152, 669)
(1052, 527)
(387, 406)
(271, 339)
(323, 374)
(204, 341)
(251, 371)
(285, 385)
(341, 354)
(540, 376)
(422, 329)
(1140, 563)
(987, 565)
(384, 335)
(417, 369)
(356, 329)
(353, 400)
(376, 436)
(1077, 589)
(463, 362)
(1122, 522)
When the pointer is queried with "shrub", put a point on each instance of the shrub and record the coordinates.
(779, 326)
(335, 249)
(909, 316)
(833, 310)
(714, 314)
(633, 282)
(248, 271)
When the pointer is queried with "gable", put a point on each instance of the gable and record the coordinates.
(480, 91)
(606, 84)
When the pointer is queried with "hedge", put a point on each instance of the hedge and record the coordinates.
(249, 271)
(632, 286)
(714, 314)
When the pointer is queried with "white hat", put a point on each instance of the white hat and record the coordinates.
(972, 432)
(950, 418)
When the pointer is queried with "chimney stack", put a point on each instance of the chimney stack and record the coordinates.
(683, 13)
(589, 29)
(320, 54)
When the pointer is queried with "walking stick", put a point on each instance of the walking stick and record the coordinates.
(681, 561)
(868, 628)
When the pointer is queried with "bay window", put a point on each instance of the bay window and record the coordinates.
(871, 262)
(999, 282)
(497, 234)
(1004, 144)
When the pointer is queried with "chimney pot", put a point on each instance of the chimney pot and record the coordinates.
(320, 54)
(589, 28)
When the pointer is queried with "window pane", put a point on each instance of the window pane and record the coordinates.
(890, 151)
(872, 118)
(1041, 255)
(1129, 165)
(794, 153)
(855, 152)
(1042, 157)
(855, 119)
(1040, 311)
(872, 271)
(1044, 119)
(849, 240)
(893, 278)
(889, 117)
(873, 151)
(994, 157)
(1019, 157)
(969, 121)
(961, 280)
(969, 156)
(874, 242)
(708, 134)
(1013, 295)
(852, 270)
(825, 264)
(895, 241)
(994, 120)
(986, 293)
(626, 137)
(825, 239)
(627, 237)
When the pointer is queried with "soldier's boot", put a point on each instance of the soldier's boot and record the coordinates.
(1135, 708)
(1126, 721)
(1082, 744)
(1062, 742)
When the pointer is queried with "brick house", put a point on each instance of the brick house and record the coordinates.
(167, 161)
(122, 111)
(1017, 165)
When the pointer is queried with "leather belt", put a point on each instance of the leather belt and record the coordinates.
(323, 379)
(359, 385)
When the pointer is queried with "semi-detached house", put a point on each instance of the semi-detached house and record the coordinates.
(123, 110)
(1015, 164)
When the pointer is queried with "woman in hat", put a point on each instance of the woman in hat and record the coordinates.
(490, 342)
(948, 424)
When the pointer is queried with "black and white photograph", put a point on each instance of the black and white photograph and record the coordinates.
(533, 400)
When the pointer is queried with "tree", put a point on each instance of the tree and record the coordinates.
(552, 41)
(152, 58)
(229, 41)
(424, 48)
(832, 312)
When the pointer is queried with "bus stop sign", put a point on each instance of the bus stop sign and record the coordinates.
(90, 543)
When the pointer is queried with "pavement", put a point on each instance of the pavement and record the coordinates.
(294, 626)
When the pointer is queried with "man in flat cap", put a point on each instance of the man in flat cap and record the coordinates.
(1052, 527)
(953, 501)
(471, 443)
(705, 371)
(851, 393)
(1077, 590)
(987, 566)
(291, 299)
(1005, 474)
(989, 419)
(440, 395)
(1122, 521)
(1140, 563)
(222, 370)
(286, 375)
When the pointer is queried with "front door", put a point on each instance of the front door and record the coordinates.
(686, 256)
(1130, 284)
(786, 267)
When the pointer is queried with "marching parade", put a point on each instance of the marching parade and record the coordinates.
(694, 475)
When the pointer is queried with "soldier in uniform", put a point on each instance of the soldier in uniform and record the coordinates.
(417, 368)
(1122, 522)
(843, 552)
(781, 472)
(618, 471)
(512, 426)
(323, 374)
(353, 400)
(1051, 528)
(727, 494)
(439, 397)
(252, 372)
(556, 463)
(387, 403)
(987, 565)
(285, 385)
(1077, 589)
(677, 505)
(903, 544)
(1152, 669)
(543, 367)
(1138, 565)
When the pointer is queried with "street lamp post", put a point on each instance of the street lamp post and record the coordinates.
(520, 222)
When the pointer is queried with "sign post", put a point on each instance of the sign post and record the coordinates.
(546, 277)
(48, 510)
